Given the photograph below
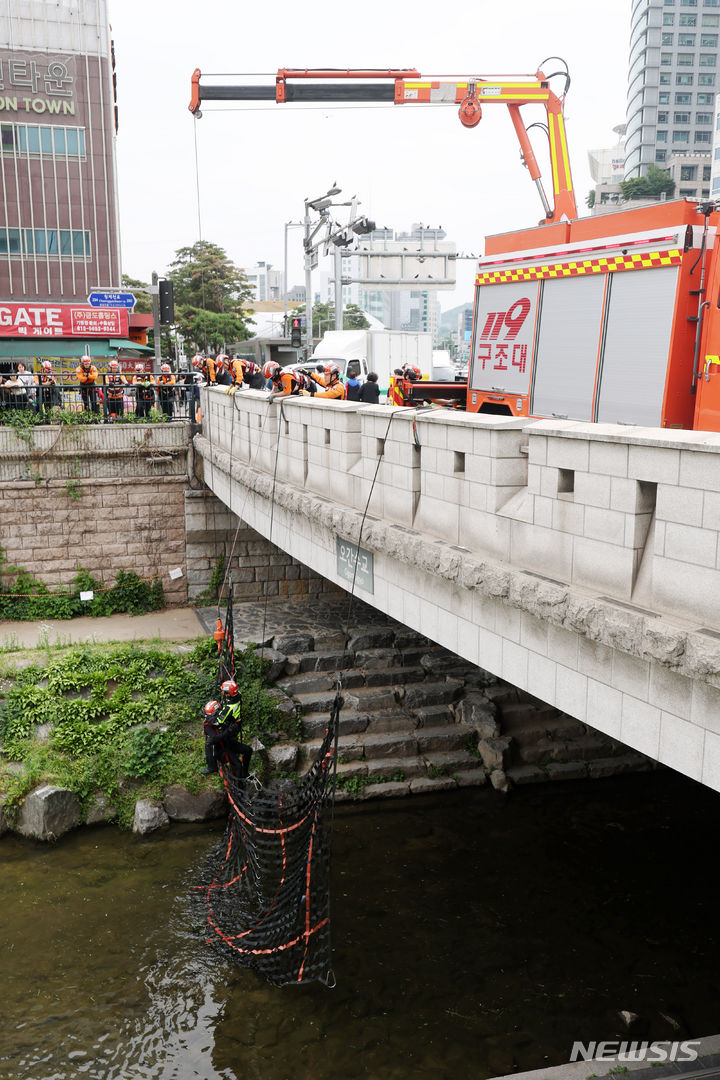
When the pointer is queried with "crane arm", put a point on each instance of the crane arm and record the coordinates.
(406, 87)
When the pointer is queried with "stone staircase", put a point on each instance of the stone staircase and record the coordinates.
(399, 729)
(545, 744)
(417, 718)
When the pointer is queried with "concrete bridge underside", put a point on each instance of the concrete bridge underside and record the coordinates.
(579, 562)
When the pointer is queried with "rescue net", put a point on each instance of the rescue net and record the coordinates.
(267, 903)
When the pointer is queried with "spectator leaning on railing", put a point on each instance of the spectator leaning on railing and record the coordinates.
(144, 391)
(115, 390)
(87, 374)
(48, 390)
(166, 390)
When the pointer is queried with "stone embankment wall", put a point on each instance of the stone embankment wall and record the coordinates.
(257, 567)
(104, 498)
(124, 497)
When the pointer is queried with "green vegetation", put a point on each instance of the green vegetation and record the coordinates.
(124, 720)
(22, 421)
(655, 183)
(210, 293)
(23, 597)
(356, 785)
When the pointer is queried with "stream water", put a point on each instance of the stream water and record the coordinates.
(474, 935)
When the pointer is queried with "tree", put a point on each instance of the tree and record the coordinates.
(210, 292)
(204, 277)
(655, 183)
(143, 300)
(323, 316)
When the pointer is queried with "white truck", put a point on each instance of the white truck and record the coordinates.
(361, 351)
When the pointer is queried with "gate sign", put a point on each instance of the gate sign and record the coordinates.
(111, 299)
(504, 334)
(61, 320)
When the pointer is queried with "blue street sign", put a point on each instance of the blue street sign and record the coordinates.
(111, 299)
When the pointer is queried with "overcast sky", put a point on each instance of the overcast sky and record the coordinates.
(257, 163)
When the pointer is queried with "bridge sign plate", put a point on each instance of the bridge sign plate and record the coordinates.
(355, 564)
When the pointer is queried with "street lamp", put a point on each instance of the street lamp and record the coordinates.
(320, 205)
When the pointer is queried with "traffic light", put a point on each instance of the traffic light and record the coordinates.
(167, 305)
(296, 333)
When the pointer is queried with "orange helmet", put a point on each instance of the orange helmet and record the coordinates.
(271, 369)
(332, 369)
(114, 365)
(197, 361)
(222, 358)
(46, 365)
(230, 687)
(412, 369)
(211, 709)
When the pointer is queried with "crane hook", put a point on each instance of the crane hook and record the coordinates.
(470, 111)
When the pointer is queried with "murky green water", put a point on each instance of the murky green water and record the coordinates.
(473, 936)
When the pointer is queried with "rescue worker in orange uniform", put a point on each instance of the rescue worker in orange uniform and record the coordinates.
(115, 384)
(253, 375)
(49, 392)
(166, 390)
(284, 383)
(236, 368)
(222, 373)
(144, 384)
(333, 384)
(87, 374)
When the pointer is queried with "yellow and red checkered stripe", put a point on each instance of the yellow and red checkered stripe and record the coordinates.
(646, 260)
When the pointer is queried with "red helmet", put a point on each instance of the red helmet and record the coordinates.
(271, 369)
(211, 709)
(230, 687)
(413, 368)
(85, 359)
(114, 365)
(197, 361)
(165, 368)
(139, 367)
(222, 358)
(332, 369)
(46, 365)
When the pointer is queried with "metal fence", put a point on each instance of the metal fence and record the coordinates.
(109, 402)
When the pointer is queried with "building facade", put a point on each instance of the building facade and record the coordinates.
(673, 78)
(59, 236)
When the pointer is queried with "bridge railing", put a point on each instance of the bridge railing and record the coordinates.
(628, 513)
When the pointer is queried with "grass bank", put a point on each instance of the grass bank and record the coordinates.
(121, 720)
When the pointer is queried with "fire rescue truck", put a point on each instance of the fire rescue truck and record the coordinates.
(613, 318)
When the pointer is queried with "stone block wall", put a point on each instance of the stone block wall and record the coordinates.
(257, 567)
(102, 525)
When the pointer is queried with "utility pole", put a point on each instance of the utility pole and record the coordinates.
(308, 282)
(156, 316)
(337, 261)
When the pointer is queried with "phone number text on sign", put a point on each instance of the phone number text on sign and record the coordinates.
(355, 564)
(98, 321)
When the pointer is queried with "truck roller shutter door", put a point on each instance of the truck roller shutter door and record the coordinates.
(567, 348)
(637, 345)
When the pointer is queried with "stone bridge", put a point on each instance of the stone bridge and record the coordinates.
(579, 562)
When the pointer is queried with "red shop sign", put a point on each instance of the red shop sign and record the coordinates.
(61, 320)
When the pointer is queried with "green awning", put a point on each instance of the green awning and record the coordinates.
(47, 348)
(125, 343)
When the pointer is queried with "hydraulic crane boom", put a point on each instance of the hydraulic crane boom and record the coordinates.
(406, 87)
